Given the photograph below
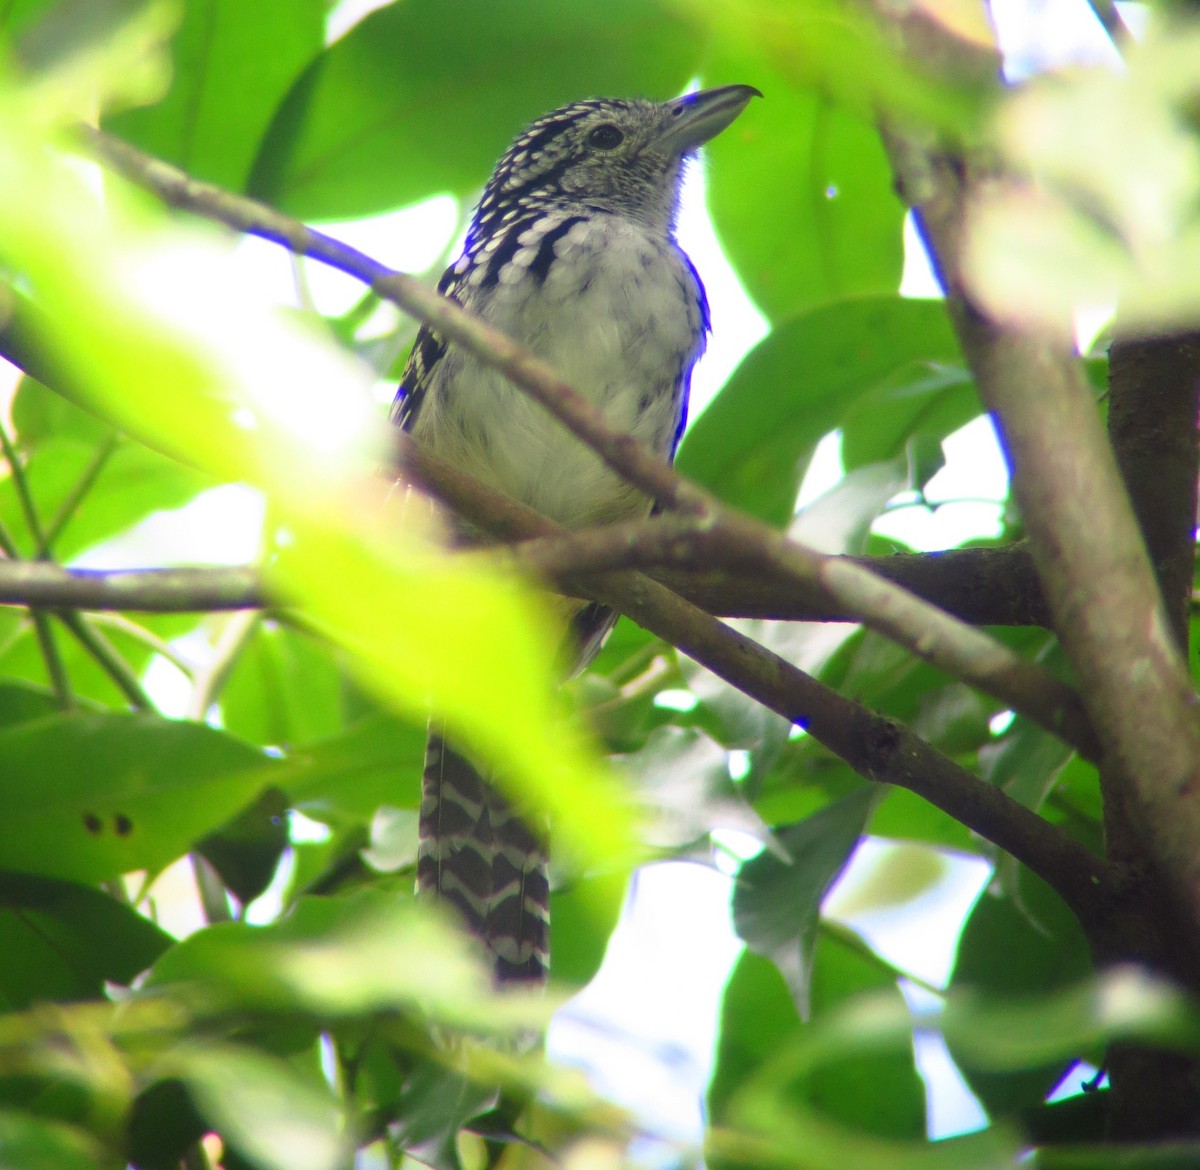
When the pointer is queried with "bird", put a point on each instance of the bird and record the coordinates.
(571, 252)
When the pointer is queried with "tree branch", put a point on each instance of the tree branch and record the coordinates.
(39, 584)
(961, 650)
(878, 748)
(1093, 565)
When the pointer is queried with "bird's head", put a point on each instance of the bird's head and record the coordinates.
(611, 154)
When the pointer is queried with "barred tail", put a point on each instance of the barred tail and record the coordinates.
(476, 854)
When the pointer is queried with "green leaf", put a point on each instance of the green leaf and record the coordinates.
(1025, 762)
(90, 796)
(369, 952)
(246, 851)
(345, 778)
(21, 703)
(841, 234)
(583, 916)
(28, 1143)
(823, 1088)
(232, 63)
(684, 779)
(776, 904)
(1126, 1003)
(758, 1019)
(60, 442)
(261, 1106)
(753, 443)
(874, 1090)
(392, 88)
(1013, 946)
(285, 688)
(877, 1090)
(920, 401)
(1157, 1156)
(60, 941)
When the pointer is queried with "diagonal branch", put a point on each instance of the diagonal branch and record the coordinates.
(961, 650)
(878, 748)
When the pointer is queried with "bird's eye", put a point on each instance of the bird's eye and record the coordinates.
(606, 137)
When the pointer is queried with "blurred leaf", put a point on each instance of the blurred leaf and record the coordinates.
(368, 952)
(1099, 226)
(900, 875)
(877, 1091)
(262, 1107)
(1009, 948)
(21, 656)
(1158, 1156)
(753, 443)
(838, 49)
(434, 1102)
(60, 941)
(92, 796)
(839, 521)
(21, 703)
(874, 1090)
(776, 904)
(163, 1123)
(28, 1143)
(758, 1019)
(61, 442)
(393, 85)
(232, 64)
(18, 13)
(1051, 1029)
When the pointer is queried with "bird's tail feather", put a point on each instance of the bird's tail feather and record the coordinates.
(478, 855)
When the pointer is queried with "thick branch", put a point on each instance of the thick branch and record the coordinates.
(1153, 400)
(48, 586)
(878, 748)
(1092, 562)
(963, 651)
(983, 585)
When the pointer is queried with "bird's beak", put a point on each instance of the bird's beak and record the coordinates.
(697, 117)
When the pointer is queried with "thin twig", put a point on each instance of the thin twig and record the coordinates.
(109, 659)
(148, 638)
(21, 483)
(79, 490)
(211, 678)
(57, 672)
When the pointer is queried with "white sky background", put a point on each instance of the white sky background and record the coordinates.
(647, 1024)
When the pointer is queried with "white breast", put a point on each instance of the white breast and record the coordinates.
(619, 316)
